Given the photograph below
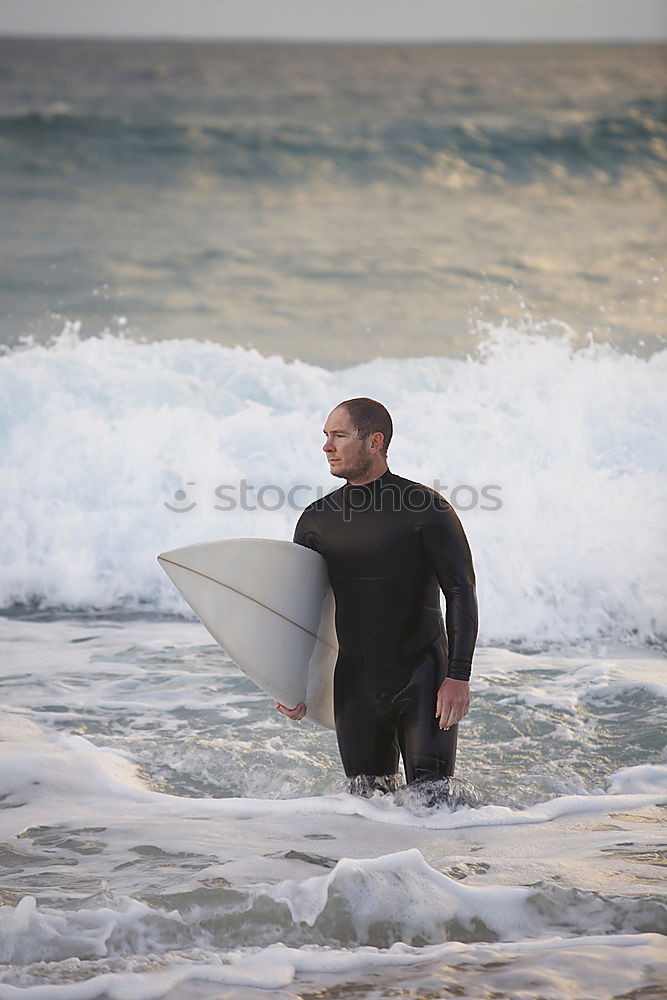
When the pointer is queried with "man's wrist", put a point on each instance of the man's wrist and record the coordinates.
(459, 670)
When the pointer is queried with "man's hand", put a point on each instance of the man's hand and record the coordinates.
(453, 702)
(295, 713)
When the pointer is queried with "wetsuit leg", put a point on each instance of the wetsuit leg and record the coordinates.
(427, 750)
(365, 726)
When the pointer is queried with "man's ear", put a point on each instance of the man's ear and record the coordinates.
(377, 440)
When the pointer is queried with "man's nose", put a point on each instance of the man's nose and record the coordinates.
(328, 446)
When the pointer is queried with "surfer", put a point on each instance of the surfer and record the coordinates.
(401, 683)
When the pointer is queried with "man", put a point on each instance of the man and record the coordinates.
(401, 680)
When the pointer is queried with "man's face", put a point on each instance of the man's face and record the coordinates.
(348, 455)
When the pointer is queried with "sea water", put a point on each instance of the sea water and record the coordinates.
(164, 832)
(332, 203)
(167, 834)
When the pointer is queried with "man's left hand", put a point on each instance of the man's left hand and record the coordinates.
(453, 702)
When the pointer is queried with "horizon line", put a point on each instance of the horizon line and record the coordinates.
(288, 40)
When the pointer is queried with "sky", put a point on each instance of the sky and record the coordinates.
(501, 20)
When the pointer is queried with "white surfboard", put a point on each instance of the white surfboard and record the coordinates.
(269, 604)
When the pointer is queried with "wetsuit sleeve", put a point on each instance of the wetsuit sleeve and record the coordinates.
(447, 547)
(305, 532)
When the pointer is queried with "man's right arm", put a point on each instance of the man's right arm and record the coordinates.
(303, 535)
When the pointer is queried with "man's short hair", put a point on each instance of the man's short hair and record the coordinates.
(369, 416)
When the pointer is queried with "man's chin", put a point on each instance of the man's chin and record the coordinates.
(350, 472)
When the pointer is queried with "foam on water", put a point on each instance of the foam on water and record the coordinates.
(380, 901)
(75, 780)
(123, 877)
(99, 434)
(555, 967)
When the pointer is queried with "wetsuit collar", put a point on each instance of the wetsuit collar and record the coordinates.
(367, 496)
(374, 485)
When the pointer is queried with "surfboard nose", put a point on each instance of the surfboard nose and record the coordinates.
(269, 604)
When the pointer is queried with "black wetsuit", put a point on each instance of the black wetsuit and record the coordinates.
(390, 547)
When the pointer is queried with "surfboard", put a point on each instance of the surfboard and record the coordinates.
(270, 606)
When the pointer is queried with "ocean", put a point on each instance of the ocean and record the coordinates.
(206, 247)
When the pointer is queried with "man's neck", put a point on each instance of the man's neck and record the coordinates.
(374, 473)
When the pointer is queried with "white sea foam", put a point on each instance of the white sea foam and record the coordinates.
(400, 896)
(379, 901)
(556, 967)
(131, 871)
(75, 780)
(98, 435)
(570, 680)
